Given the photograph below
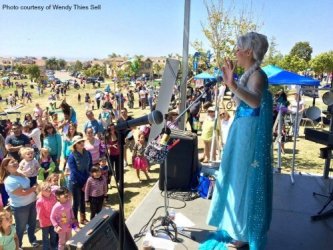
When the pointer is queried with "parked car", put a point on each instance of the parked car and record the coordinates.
(91, 80)
(100, 79)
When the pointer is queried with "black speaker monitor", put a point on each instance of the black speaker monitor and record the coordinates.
(101, 233)
(182, 162)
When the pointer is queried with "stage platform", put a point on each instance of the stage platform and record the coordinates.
(291, 227)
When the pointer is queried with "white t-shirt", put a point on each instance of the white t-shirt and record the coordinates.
(225, 126)
(222, 89)
(142, 94)
(151, 92)
(35, 135)
(293, 106)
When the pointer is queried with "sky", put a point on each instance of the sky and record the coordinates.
(147, 27)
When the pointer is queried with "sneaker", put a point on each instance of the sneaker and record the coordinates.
(35, 244)
(125, 163)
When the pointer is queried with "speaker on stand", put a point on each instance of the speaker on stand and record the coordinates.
(182, 162)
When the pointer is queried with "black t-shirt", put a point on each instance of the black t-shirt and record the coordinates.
(108, 105)
(195, 108)
(15, 141)
(127, 131)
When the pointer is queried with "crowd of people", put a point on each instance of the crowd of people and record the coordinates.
(52, 170)
(49, 164)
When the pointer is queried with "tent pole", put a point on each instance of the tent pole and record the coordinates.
(295, 136)
(216, 124)
(279, 137)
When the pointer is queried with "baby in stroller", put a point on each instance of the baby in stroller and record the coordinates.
(53, 101)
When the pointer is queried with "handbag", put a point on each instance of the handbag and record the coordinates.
(196, 124)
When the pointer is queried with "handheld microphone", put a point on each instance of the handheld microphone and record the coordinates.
(155, 117)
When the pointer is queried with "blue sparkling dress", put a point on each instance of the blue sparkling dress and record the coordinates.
(241, 205)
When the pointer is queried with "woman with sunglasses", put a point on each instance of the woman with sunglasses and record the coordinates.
(23, 199)
(79, 163)
(226, 121)
(67, 141)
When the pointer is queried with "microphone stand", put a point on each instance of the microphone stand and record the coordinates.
(166, 220)
(121, 143)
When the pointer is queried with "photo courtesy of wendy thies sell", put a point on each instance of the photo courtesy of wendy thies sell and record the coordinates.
(51, 7)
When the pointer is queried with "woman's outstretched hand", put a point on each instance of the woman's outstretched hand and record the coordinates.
(228, 74)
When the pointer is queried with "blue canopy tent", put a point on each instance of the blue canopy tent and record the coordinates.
(278, 76)
(207, 78)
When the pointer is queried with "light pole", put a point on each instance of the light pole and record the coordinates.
(186, 37)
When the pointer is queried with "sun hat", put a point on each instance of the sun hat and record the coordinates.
(76, 139)
(211, 109)
(173, 111)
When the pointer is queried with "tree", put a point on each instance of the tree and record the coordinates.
(302, 50)
(78, 66)
(136, 65)
(273, 56)
(113, 55)
(156, 69)
(62, 64)
(293, 63)
(20, 68)
(223, 29)
(323, 63)
(51, 63)
(34, 72)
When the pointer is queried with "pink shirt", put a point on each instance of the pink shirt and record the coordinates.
(44, 207)
(62, 215)
(28, 168)
(94, 150)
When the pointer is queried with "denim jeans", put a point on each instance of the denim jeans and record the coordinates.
(52, 242)
(25, 217)
(78, 198)
(150, 102)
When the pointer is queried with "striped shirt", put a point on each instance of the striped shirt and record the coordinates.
(95, 187)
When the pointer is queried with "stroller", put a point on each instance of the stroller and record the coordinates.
(76, 85)
(53, 99)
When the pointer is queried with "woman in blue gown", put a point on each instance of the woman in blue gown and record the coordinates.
(241, 206)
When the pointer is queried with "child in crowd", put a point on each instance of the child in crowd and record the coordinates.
(112, 144)
(207, 135)
(53, 179)
(95, 191)
(55, 120)
(28, 166)
(8, 237)
(62, 217)
(46, 163)
(103, 165)
(139, 160)
(46, 200)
